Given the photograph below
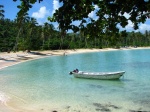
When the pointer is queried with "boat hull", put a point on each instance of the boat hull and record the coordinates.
(101, 76)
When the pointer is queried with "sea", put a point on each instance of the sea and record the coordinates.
(45, 85)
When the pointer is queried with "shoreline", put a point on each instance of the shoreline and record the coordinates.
(10, 59)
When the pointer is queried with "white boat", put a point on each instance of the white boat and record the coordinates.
(98, 75)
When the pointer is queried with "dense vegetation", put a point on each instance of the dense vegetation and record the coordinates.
(24, 33)
(31, 36)
(108, 13)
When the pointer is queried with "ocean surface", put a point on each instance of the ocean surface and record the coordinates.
(45, 84)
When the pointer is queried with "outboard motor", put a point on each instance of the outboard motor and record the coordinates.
(70, 73)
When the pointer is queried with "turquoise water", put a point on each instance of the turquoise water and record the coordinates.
(45, 84)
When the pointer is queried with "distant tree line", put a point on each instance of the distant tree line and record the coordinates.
(26, 34)
(31, 36)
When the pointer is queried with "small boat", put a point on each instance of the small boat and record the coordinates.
(98, 75)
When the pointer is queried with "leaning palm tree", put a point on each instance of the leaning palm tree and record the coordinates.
(21, 22)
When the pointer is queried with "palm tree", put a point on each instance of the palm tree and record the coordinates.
(48, 30)
(1, 12)
(21, 22)
(62, 36)
(31, 24)
(81, 35)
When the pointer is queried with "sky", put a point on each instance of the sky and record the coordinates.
(46, 8)
(41, 11)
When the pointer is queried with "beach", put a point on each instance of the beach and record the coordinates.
(9, 59)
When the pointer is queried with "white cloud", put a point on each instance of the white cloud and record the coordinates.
(96, 7)
(55, 5)
(42, 21)
(41, 13)
(126, 15)
(129, 26)
(144, 27)
(92, 14)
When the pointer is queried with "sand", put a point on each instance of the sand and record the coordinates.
(9, 59)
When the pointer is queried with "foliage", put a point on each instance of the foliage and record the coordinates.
(109, 14)
(7, 34)
(1, 12)
(24, 33)
(36, 37)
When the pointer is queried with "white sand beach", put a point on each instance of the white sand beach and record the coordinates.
(9, 59)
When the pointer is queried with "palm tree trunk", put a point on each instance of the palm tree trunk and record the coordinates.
(16, 45)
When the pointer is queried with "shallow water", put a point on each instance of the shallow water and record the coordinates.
(45, 84)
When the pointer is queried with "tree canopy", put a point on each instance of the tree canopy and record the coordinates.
(109, 14)
(29, 35)
(1, 12)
